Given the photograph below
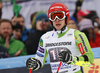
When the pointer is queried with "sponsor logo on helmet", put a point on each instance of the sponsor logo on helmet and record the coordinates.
(56, 7)
(67, 13)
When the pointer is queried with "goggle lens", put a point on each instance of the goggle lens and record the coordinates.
(59, 14)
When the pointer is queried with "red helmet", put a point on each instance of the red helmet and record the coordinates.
(59, 7)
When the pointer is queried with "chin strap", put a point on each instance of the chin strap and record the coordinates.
(61, 29)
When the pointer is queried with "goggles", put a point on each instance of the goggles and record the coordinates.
(58, 14)
(45, 20)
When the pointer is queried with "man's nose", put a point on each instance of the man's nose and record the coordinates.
(57, 19)
(43, 22)
(6, 29)
(19, 33)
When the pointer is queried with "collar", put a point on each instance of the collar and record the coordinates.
(60, 31)
(3, 41)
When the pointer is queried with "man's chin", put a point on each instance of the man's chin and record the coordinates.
(58, 29)
(4, 37)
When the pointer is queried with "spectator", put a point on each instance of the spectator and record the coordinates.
(86, 26)
(25, 31)
(17, 31)
(14, 47)
(1, 6)
(32, 16)
(32, 23)
(41, 26)
(96, 19)
(72, 23)
(81, 14)
(3, 52)
(91, 14)
(96, 27)
(78, 5)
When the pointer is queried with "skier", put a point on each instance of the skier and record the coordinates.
(69, 46)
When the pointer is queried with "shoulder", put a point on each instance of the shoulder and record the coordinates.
(78, 32)
(2, 48)
(47, 34)
(17, 42)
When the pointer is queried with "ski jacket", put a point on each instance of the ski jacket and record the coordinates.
(52, 42)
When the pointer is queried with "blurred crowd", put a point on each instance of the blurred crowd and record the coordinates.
(17, 40)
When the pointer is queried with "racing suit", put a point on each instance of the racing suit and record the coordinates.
(52, 42)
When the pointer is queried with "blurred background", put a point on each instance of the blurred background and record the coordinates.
(31, 6)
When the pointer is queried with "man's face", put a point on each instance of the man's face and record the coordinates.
(72, 24)
(5, 29)
(17, 33)
(18, 19)
(21, 21)
(42, 24)
(59, 24)
(45, 24)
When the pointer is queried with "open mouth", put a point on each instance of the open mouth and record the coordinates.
(58, 24)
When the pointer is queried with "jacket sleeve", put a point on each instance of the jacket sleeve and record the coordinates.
(83, 46)
(41, 53)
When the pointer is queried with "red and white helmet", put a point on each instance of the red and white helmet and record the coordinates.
(59, 7)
